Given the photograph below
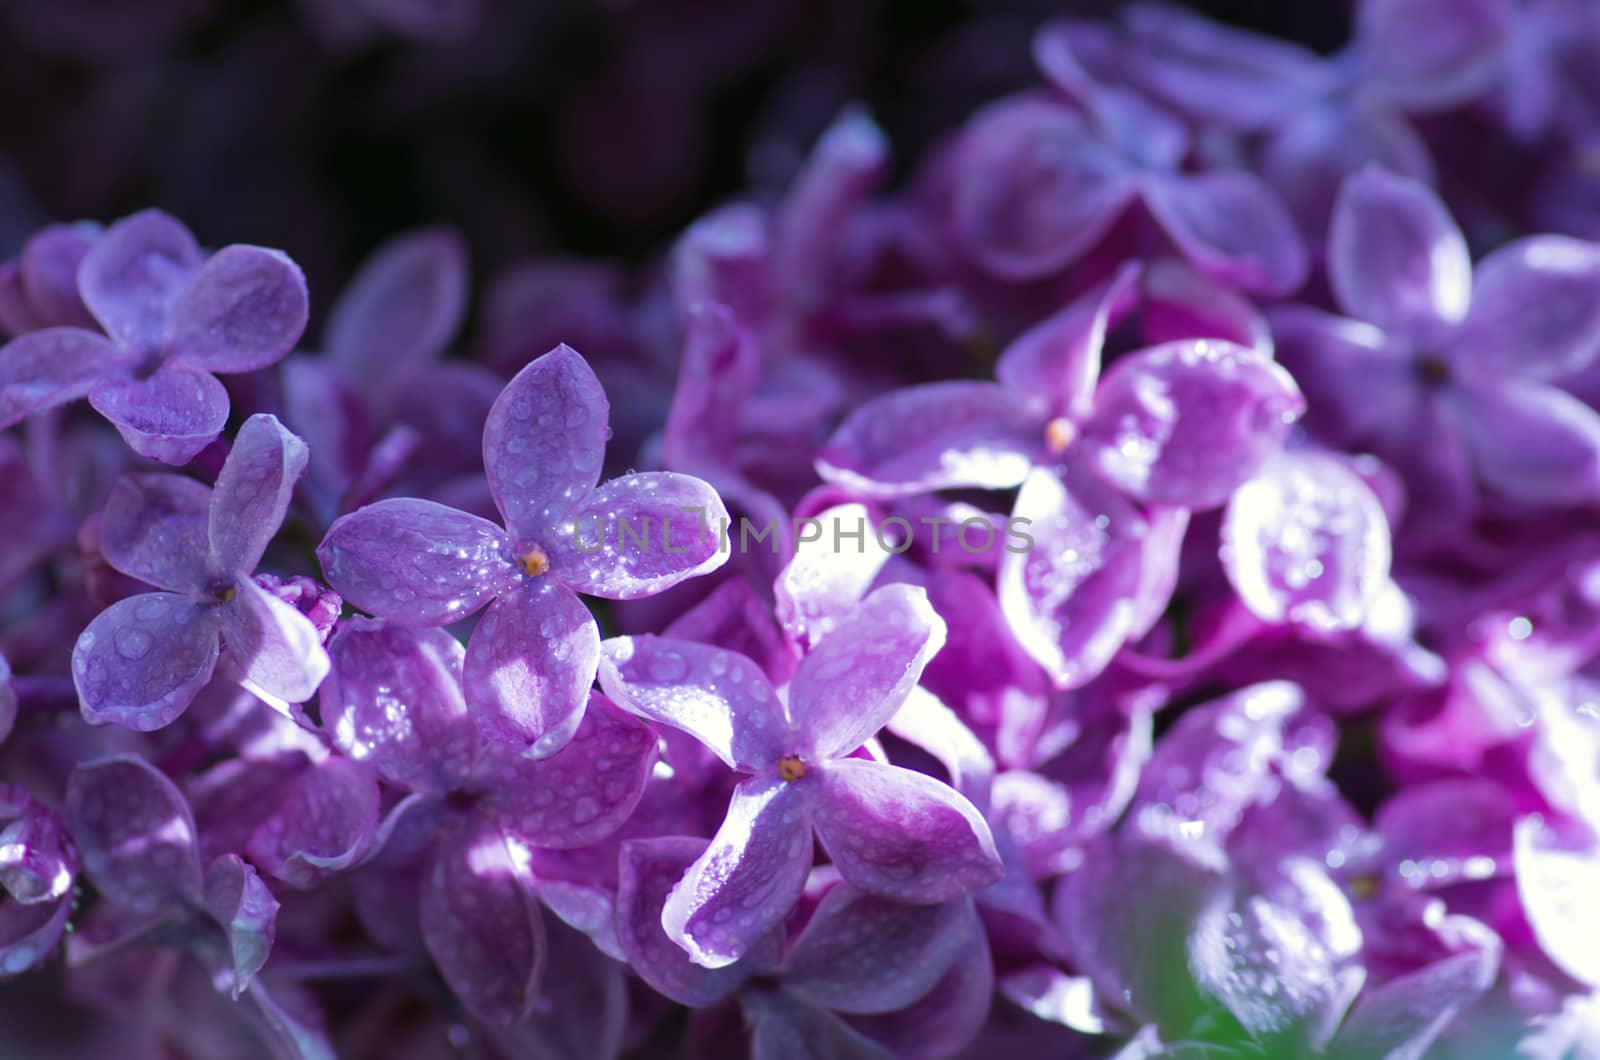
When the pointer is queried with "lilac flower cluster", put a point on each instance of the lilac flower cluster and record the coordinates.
(359, 696)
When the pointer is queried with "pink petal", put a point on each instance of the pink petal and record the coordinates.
(1396, 258)
(1531, 442)
(133, 274)
(863, 953)
(1188, 422)
(482, 924)
(43, 369)
(530, 664)
(1055, 364)
(719, 697)
(246, 911)
(415, 562)
(275, 650)
(852, 683)
(1231, 226)
(748, 879)
(903, 835)
(154, 529)
(400, 311)
(244, 310)
(1535, 310)
(168, 417)
(327, 823)
(136, 833)
(640, 535)
(393, 698)
(253, 492)
(1306, 541)
(583, 792)
(142, 661)
(544, 443)
(931, 437)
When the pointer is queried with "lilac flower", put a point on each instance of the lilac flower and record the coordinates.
(889, 831)
(143, 660)
(38, 869)
(532, 658)
(172, 317)
(40, 288)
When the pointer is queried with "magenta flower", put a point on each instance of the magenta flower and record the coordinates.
(890, 831)
(142, 661)
(532, 658)
(172, 318)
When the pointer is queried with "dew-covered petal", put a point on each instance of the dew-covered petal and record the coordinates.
(1447, 831)
(38, 858)
(482, 925)
(253, 492)
(154, 529)
(583, 792)
(1231, 226)
(133, 274)
(1396, 258)
(1433, 54)
(1034, 189)
(1055, 364)
(415, 562)
(719, 697)
(243, 906)
(168, 417)
(1186, 423)
(276, 652)
(822, 583)
(142, 661)
(327, 823)
(784, 1028)
(136, 832)
(946, 1019)
(863, 953)
(43, 369)
(901, 834)
(400, 310)
(1400, 1019)
(1070, 595)
(748, 879)
(639, 535)
(530, 665)
(1306, 541)
(393, 698)
(1557, 882)
(851, 684)
(931, 437)
(1531, 442)
(244, 310)
(648, 870)
(544, 443)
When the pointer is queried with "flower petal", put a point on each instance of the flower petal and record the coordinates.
(530, 665)
(647, 872)
(782, 1028)
(1232, 227)
(1400, 1019)
(154, 529)
(244, 310)
(1532, 442)
(133, 274)
(640, 535)
(931, 437)
(38, 858)
(168, 417)
(1396, 258)
(43, 369)
(1359, 383)
(393, 698)
(137, 834)
(901, 834)
(1186, 423)
(327, 823)
(415, 562)
(544, 443)
(1433, 54)
(748, 879)
(720, 369)
(1557, 883)
(275, 649)
(1056, 363)
(583, 792)
(719, 697)
(862, 953)
(142, 661)
(29, 934)
(1306, 541)
(253, 492)
(852, 683)
(1535, 310)
(49, 265)
(400, 310)
(246, 911)
(822, 583)
(482, 924)
(946, 1019)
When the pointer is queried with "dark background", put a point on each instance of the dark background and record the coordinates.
(551, 127)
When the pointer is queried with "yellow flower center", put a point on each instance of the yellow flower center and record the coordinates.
(1058, 434)
(790, 767)
(534, 563)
